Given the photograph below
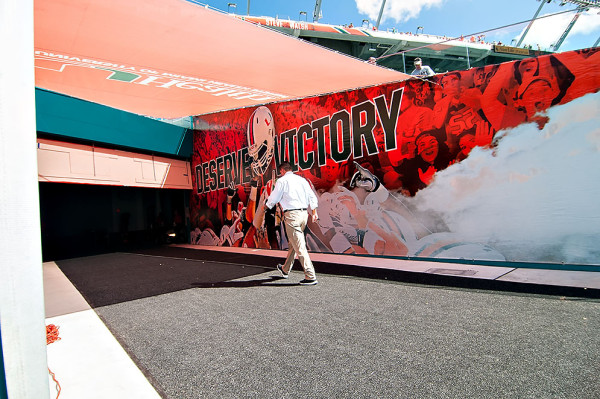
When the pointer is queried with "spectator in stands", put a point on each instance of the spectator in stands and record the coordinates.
(421, 70)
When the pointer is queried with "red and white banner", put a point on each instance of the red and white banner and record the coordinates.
(462, 165)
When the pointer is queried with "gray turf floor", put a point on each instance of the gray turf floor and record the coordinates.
(261, 337)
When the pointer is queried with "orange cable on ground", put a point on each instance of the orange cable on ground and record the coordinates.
(51, 337)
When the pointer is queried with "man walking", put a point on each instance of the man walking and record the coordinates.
(295, 195)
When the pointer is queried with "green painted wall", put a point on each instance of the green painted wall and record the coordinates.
(60, 115)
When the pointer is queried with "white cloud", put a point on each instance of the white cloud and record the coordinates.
(588, 22)
(547, 31)
(398, 10)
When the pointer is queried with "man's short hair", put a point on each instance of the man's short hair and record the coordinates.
(285, 166)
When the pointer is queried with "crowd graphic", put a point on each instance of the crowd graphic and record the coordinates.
(369, 200)
(534, 194)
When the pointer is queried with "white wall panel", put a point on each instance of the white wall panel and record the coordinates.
(76, 163)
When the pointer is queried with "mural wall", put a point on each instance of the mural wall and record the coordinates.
(495, 163)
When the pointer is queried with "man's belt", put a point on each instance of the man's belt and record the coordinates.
(297, 209)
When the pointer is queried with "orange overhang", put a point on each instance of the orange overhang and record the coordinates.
(173, 58)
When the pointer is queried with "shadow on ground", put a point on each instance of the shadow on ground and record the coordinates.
(120, 277)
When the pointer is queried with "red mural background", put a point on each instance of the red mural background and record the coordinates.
(368, 151)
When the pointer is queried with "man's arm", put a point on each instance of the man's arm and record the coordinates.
(313, 201)
(315, 215)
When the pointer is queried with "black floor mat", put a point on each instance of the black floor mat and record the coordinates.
(119, 277)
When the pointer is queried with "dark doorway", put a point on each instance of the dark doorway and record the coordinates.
(80, 219)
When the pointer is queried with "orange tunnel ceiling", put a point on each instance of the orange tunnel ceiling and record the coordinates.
(172, 58)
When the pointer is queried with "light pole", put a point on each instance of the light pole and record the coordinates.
(301, 14)
(365, 21)
(317, 13)
(229, 5)
(419, 27)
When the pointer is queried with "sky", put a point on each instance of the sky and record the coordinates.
(451, 18)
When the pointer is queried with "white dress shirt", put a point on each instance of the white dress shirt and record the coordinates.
(293, 192)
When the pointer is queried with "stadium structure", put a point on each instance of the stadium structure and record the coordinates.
(396, 49)
(147, 140)
(97, 131)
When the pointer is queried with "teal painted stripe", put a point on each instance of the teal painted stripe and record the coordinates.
(186, 144)
(66, 116)
(418, 252)
(366, 32)
(342, 30)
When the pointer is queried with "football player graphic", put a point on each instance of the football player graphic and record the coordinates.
(261, 139)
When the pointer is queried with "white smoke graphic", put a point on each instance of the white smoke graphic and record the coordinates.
(535, 197)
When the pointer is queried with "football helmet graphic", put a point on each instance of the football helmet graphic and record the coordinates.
(261, 139)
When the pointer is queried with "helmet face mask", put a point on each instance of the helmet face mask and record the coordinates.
(261, 139)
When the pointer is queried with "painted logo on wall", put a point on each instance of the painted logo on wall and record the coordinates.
(147, 76)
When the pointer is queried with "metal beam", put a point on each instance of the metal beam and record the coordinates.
(564, 35)
(583, 3)
(395, 48)
(530, 23)
(317, 13)
(380, 14)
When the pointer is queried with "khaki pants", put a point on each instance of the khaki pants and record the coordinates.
(295, 223)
